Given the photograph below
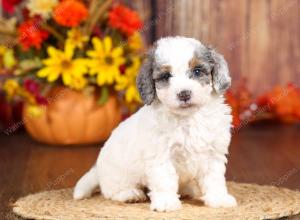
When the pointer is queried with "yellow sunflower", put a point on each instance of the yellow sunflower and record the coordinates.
(2, 50)
(78, 82)
(61, 63)
(105, 61)
(11, 87)
(135, 41)
(7, 58)
(127, 81)
(34, 110)
(76, 38)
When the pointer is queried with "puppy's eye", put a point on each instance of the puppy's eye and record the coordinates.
(197, 71)
(164, 77)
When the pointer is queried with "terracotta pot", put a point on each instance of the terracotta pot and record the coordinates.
(73, 118)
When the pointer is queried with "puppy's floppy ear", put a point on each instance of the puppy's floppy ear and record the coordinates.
(145, 81)
(220, 72)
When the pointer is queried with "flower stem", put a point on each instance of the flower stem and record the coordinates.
(7, 32)
(96, 11)
(51, 30)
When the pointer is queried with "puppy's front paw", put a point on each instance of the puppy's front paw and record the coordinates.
(218, 201)
(165, 202)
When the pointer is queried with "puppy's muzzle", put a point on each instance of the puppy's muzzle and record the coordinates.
(184, 95)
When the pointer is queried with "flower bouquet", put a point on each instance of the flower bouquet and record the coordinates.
(74, 63)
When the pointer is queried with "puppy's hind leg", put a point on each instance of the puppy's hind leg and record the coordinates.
(86, 185)
(130, 195)
(190, 189)
(120, 185)
(115, 188)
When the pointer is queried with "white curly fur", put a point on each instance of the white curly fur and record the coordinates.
(172, 151)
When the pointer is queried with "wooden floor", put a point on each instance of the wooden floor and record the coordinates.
(263, 154)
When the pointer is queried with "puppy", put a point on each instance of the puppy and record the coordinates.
(176, 144)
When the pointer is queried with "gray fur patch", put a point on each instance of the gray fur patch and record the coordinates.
(203, 62)
(205, 79)
(162, 84)
(145, 81)
(159, 70)
(220, 72)
(158, 73)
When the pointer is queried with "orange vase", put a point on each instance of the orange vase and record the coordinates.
(72, 117)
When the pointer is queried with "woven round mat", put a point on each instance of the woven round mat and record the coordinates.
(254, 202)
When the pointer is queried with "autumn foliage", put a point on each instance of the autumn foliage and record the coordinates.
(281, 103)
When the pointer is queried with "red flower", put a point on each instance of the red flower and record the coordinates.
(32, 86)
(122, 69)
(9, 5)
(41, 100)
(31, 35)
(70, 13)
(124, 19)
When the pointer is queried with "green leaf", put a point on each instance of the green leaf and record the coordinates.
(103, 96)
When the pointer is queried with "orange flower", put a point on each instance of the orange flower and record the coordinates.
(283, 102)
(31, 35)
(70, 13)
(124, 19)
(287, 103)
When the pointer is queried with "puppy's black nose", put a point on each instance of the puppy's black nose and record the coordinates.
(184, 95)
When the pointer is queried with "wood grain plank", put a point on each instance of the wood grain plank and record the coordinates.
(260, 39)
(207, 21)
(285, 46)
(228, 33)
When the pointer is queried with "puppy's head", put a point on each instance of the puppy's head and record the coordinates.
(182, 74)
